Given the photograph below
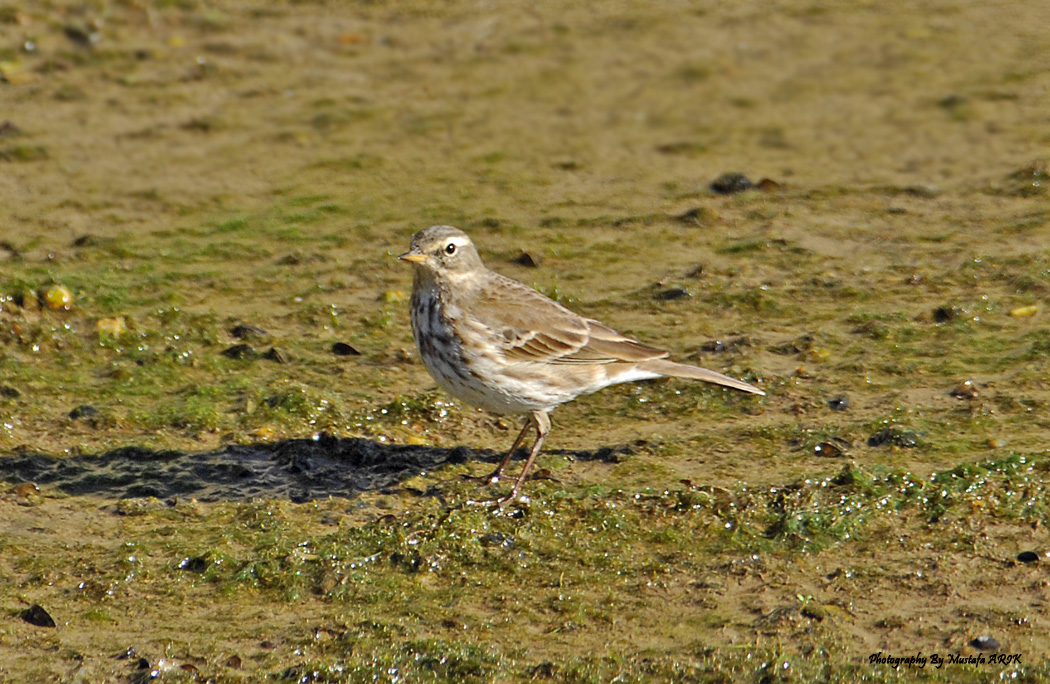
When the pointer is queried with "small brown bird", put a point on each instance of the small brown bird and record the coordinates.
(502, 346)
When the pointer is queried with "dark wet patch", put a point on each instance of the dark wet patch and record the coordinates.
(297, 469)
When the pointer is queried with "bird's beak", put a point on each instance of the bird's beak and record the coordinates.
(413, 255)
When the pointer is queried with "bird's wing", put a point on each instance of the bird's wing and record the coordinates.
(527, 326)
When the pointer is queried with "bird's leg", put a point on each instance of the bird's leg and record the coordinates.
(542, 421)
(494, 477)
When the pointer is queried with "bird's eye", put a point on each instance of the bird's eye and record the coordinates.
(450, 248)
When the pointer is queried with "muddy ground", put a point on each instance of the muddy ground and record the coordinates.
(178, 178)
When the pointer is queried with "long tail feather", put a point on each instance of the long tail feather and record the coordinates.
(681, 370)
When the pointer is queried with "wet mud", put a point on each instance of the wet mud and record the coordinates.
(298, 470)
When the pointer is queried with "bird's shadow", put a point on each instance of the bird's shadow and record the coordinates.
(296, 469)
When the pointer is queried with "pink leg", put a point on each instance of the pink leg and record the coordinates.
(496, 474)
(542, 422)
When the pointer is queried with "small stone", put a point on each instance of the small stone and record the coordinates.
(985, 643)
(112, 327)
(943, 314)
(731, 183)
(26, 490)
(839, 403)
(8, 392)
(344, 349)
(240, 351)
(35, 615)
(828, 450)
(769, 185)
(1022, 311)
(196, 564)
(244, 331)
(83, 411)
(527, 260)
(964, 390)
(672, 293)
(275, 354)
(57, 298)
(1028, 557)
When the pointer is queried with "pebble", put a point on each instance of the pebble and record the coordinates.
(964, 390)
(344, 349)
(113, 327)
(275, 354)
(985, 643)
(839, 403)
(943, 314)
(36, 615)
(828, 450)
(240, 351)
(1028, 557)
(57, 298)
(83, 411)
(197, 564)
(731, 183)
(527, 260)
(672, 293)
(1023, 311)
(244, 331)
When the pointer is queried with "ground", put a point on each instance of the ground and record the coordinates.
(184, 509)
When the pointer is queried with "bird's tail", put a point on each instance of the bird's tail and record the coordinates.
(681, 370)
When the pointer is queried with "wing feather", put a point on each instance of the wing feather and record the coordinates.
(528, 326)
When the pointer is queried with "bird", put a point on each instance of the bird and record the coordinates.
(502, 346)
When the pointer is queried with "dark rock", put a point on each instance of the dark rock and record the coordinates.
(526, 259)
(964, 390)
(275, 354)
(197, 564)
(985, 643)
(672, 293)
(839, 403)
(35, 615)
(344, 349)
(240, 351)
(244, 331)
(829, 450)
(83, 411)
(8, 392)
(1028, 557)
(731, 183)
(943, 314)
